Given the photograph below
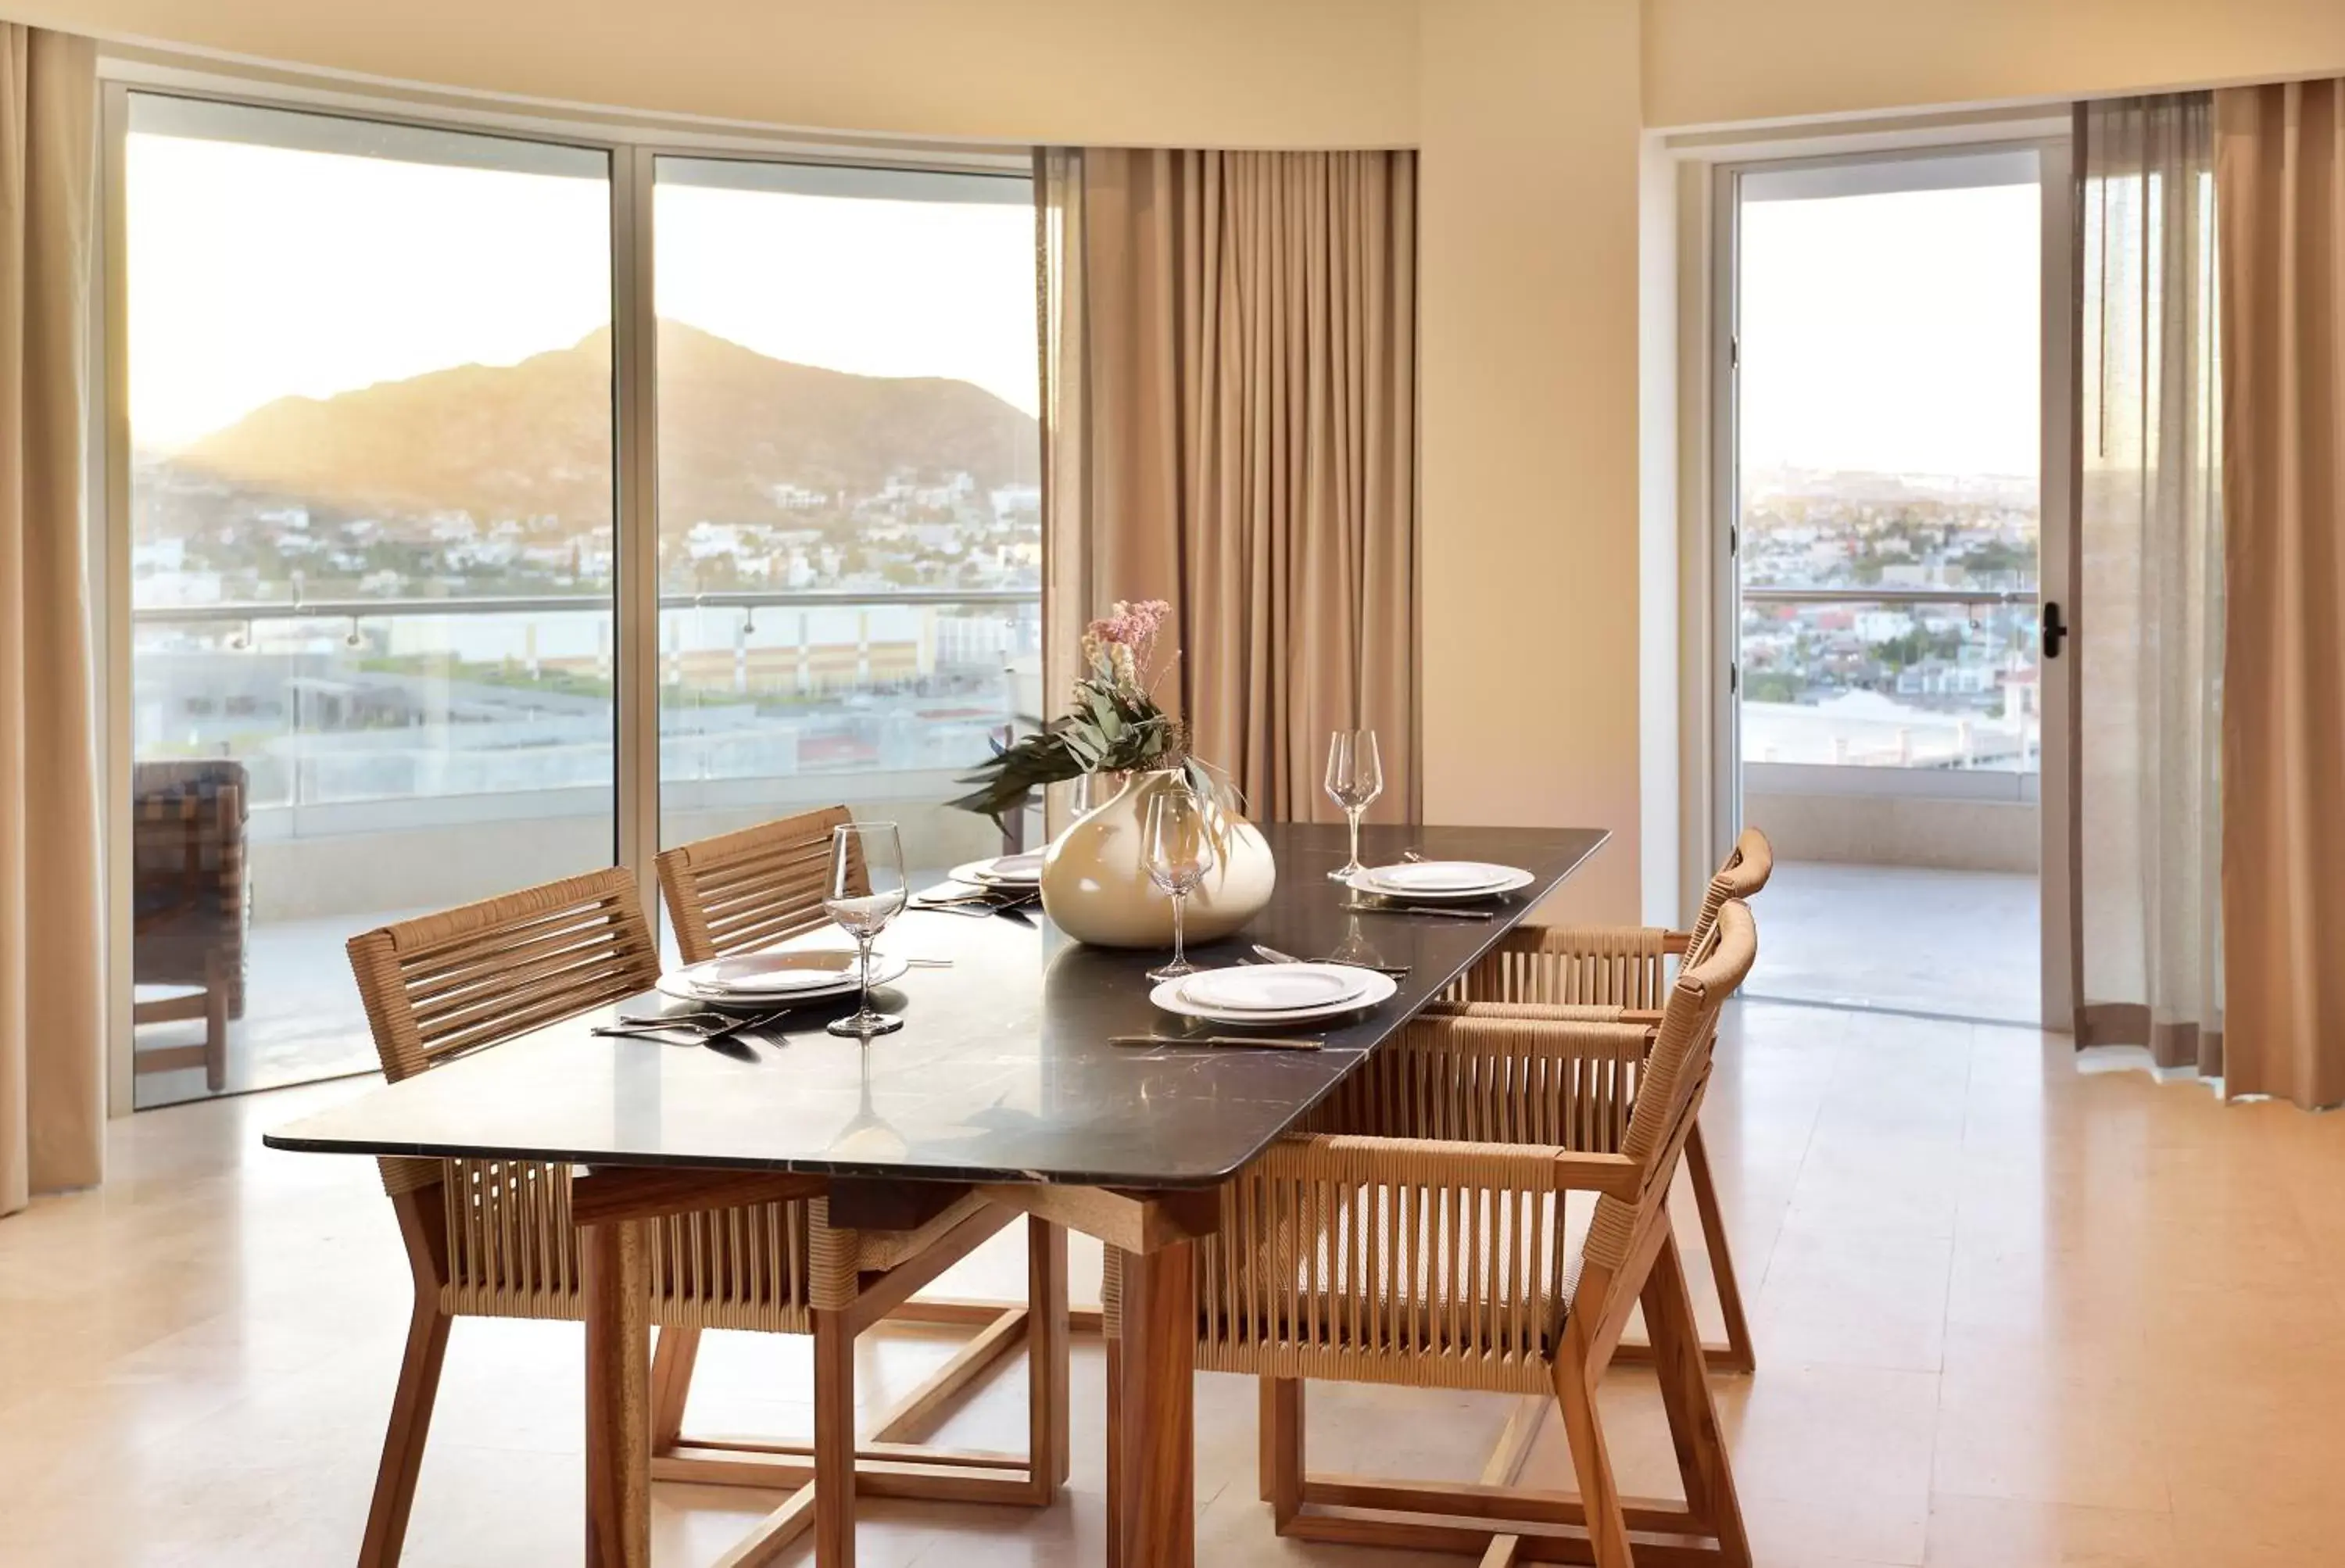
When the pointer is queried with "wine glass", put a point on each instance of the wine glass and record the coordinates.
(1355, 776)
(867, 888)
(1179, 846)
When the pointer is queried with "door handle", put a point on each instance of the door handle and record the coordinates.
(2055, 630)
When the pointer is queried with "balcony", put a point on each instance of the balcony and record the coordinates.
(410, 755)
(1891, 740)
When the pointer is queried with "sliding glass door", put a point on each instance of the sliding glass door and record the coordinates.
(849, 503)
(1893, 512)
(483, 510)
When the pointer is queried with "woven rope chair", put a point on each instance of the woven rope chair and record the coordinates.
(1443, 1248)
(760, 887)
(496, 1239)
(1610, 966)
(753, 889)
(1601, 973)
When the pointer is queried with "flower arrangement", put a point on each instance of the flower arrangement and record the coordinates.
(1114, 726)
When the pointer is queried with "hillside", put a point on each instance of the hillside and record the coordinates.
(533, 439)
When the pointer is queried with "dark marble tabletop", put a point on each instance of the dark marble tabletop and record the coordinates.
(1000, 1072)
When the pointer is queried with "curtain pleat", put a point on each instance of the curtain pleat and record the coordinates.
(1233, 398)
(52, 1058)
(2279, 176)
(2149, 600)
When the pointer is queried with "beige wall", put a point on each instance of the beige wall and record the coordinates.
(1191, 73)
(1527, 118)
(1711, 62)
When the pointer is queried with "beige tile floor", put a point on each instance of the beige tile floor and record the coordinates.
(1967, 945)
(2010, 1314)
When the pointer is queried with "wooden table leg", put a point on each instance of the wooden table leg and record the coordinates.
(1048, 1438)
(618, 1395)
(1158, 1446)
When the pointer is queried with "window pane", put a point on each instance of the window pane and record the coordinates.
(850, 539)
(369, 393)
(1887, 414)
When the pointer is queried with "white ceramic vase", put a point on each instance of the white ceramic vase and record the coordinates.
(1095, 883)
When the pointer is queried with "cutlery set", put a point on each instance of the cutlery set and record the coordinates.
(721, 1030)
(704, 1027)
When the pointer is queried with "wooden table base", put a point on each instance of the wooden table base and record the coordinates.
(888, 1461)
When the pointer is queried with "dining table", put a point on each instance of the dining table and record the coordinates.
(1012, 1076)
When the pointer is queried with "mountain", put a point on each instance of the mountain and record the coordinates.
(533, 439)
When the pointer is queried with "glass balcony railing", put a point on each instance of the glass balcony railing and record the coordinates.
(1931, 678)
(419, 708)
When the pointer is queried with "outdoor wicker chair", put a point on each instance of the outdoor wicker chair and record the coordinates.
(187, 908)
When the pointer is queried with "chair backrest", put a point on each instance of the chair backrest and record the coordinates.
(750, 889)
(446, 983)
(1676, 1071)
(1747, 866)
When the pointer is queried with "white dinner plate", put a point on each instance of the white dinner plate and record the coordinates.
(1437, 881)
(795, 976)
(1379, 988)
(1275, 987)
(1002, 871)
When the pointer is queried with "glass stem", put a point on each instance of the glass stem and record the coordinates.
(1180, 902)
(863, 974)
(1352, 817)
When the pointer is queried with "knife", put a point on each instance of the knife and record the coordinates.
(1396, 971)
(1267, 1042)
(1434, 911)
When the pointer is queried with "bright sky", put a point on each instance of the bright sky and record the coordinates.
(1893, 333)
(257, 271)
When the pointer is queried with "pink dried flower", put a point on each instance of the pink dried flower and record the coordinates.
(1120, 645)
(1130, 625)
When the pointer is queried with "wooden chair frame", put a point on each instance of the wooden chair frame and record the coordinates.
(1601, 973)
(755, 888)
(1436, 1261)
(727, 1251)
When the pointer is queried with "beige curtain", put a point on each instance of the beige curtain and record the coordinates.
(52, 1061)
(1231, 396)
(2280, 177)
(2149, 600)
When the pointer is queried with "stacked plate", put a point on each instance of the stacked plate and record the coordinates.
(1011, 872)
(763, 981)
(1439, 882)
(1270, 994)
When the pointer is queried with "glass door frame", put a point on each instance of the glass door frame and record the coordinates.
(2053, 787)
(633, 148)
